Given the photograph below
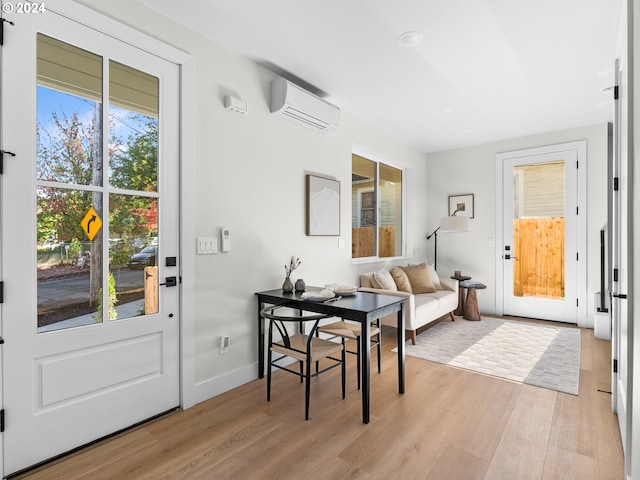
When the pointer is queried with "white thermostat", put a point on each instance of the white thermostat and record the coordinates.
(226, 239)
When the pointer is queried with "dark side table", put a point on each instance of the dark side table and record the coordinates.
(460, 278)
(470, 311)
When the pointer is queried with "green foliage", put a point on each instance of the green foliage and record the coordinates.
(75, 247)
(113, 299)
(119, 253)
(69, 152)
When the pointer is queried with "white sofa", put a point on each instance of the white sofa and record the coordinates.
(421, 308)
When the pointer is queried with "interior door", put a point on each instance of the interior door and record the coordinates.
(539, 234)
(89, 237)
(620, 242)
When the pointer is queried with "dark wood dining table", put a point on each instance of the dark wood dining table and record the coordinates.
(362, 307)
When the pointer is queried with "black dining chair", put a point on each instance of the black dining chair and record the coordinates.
(303, 346)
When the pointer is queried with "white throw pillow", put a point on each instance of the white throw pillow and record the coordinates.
(434, 276)
(384, 278)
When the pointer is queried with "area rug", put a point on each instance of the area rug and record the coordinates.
(540, 355)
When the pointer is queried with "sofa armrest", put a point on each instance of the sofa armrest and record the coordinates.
(449, 284)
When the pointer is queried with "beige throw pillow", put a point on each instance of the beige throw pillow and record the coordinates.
(419, 278)
(434, 276)
(401, 279)
(384, 279)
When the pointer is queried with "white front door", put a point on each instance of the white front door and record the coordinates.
(540, 224)
(89, 212)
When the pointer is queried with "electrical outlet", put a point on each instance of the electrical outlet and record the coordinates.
(224, 344)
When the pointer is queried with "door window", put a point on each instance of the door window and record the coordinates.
(539, 230)
(94, 215)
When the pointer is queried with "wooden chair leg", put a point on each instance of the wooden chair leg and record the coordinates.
(413, 337)
(453, 319)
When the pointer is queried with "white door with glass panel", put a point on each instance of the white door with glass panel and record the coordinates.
(89, 237)
(539, 235)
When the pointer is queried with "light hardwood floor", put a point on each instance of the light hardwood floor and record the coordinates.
(450, 424)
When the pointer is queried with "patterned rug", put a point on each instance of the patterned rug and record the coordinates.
(540, 355)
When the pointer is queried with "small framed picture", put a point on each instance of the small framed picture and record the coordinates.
(461, 205)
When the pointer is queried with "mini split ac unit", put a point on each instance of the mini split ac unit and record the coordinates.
(303, 107)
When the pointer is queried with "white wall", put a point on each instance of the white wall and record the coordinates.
(473, 170)
(250, 176)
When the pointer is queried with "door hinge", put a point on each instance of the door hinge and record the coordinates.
(615, 184)
(2, 22)
(616, 92)
(577, 302)
(1, 292)
(577, 164)
(2, 153)
(577, 210)
(615, 365)
(577, 257)
(615, 274)
(2, 420)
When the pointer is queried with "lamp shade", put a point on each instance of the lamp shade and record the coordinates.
(454, 224)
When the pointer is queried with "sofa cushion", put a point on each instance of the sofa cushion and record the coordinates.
(419, 278)
(384, 279)
(425, 304)
(401, 280)
(434, 276)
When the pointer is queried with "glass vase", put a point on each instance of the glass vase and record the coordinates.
(287, 286)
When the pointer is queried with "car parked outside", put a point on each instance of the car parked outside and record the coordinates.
(144, 258)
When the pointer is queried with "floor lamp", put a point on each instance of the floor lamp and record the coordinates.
(448, 224)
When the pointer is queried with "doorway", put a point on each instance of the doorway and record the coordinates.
(93, 188)
(541, 261)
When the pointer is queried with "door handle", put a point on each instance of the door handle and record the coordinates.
(509, 257)
(170, 281)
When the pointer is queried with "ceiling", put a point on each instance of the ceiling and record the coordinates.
(486, 70)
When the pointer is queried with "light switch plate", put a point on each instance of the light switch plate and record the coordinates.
(206, 246)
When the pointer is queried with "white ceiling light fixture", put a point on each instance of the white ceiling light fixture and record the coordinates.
(409, 39)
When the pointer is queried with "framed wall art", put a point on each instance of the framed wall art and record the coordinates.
(323, 206)
(461, 205)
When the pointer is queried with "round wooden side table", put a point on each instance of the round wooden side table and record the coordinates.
(470, 311)
(460, 278)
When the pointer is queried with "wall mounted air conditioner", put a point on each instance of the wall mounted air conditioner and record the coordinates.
(303, 107)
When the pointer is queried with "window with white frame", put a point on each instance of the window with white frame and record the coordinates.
(376, 209)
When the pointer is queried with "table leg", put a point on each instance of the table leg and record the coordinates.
(260, 341)
(365, 364)
(460, 309)
(401, 349)
(471, 311)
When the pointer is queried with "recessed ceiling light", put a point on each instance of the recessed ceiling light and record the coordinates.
(409, 39)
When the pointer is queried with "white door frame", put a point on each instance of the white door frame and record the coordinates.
(185, 63)
(581, 237)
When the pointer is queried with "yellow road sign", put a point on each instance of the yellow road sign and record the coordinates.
(91, 223)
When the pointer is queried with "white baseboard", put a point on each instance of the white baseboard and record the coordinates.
(216, 386)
